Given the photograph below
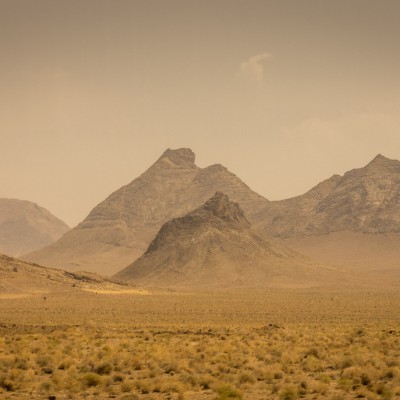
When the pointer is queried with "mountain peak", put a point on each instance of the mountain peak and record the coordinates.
(221, 207)
(379, 160)
(182, 156)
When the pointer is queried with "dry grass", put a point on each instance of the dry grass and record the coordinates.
(249, 346)
(287, 362)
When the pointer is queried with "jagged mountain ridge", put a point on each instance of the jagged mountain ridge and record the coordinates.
(352, 221)
(365, 200)
(120, 228)
(25, 227)
(214, 247)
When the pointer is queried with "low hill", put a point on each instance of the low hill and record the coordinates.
(19, 279)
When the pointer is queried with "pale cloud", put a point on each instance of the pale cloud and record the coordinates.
(253, 68)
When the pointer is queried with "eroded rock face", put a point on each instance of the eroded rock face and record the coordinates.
(215, 247)
(25, 226)
(363, 200)
(217, 213)
(120, 228)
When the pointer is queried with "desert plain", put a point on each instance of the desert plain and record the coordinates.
(266, 344)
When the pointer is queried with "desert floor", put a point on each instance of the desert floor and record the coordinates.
(275, 344)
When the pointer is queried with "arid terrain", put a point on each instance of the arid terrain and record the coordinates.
(70, 335)
(271, 344)
(229, 176)
(236, 297)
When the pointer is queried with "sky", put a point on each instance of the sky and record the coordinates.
(283, 93)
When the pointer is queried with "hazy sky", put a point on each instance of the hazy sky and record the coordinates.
(283, 93)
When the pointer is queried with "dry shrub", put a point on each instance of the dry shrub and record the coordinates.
(227, 392)
(91, 379)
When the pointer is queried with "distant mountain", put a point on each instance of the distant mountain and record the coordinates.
(351, 220)
(19, 279)
(214, 247)
(25, 227)
(120, 228)
(363, 200)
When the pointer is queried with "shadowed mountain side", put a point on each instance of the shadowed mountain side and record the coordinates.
(213, 247)
(120, 228)
(365, 200)
(25, 227)
(19, 278)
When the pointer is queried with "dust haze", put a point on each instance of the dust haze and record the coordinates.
(199, 200)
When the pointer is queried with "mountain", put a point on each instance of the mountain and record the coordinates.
(120, 228)
(25, 227)
(365, 200)
(342, 221)
(214, 247)
(352, 220)
(20, 279)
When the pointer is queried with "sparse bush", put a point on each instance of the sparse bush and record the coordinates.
(126, 387)
(205, 381)
(6, 384)
(227, 392)
(104, 369)
(288, 393)
(91, 379)
(278, 375)
(383, 391)
(246, 378)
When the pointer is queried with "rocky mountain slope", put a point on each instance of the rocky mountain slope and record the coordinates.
(352, 221)
(120, 228)
(25, 227)
(365, 200)
(215, 247)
